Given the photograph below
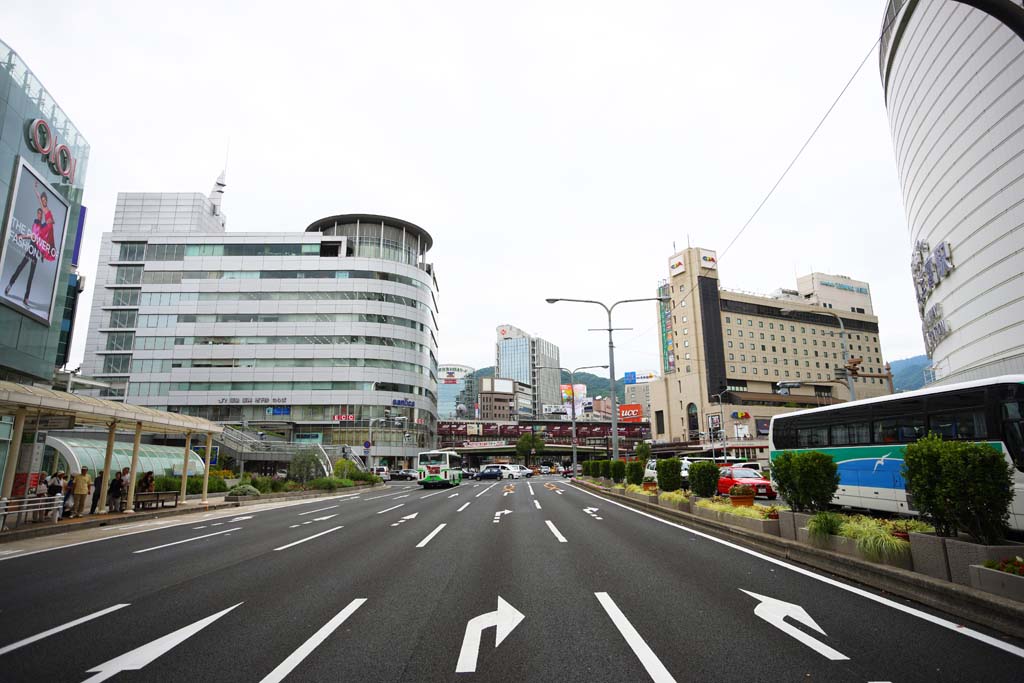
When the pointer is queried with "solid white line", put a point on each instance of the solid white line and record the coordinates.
(391, 508)
(558, 535)
(430, 535)
(537, 503)
(58, 629)
(487, 489)
(187, 540)
(384, 496)
(530, 486)
(308, 538)
(464, 507)
(655, 669)
(197, 528)
(938, 621)
(431, 494)
(295, 658)
(309, 512)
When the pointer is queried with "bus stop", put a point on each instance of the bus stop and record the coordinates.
(35, 409)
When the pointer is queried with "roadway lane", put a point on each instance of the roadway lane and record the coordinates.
(389, 594)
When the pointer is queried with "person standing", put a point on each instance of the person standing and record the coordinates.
(54, 488)
(82, 487)
(39, 514)
(114, 493)
(96, 493)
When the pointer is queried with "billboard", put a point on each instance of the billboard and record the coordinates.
(708, 259)
(631, 412)
(33, 241)
(570, 390)
(668, 357)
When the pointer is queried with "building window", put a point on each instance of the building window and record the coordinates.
(128, 275)
(739, 321)
(732, 368)
(775, 360)
(742, 346)
(786, 373)
(743, 369)
(727, 320)
(776, 373)
(760, 323)
(117, 363)
(132, 251)
(771, 326)
(762, 335)
(797, 373)
(686, 330)
(792, 328)
(120, 341)
(688, 369)
(743, 356)
(729, 331)
(754, 370)
(764, 359)
(686, 356)
(732, 356)
(750, 334)
(686, 342)
(729, 344)
(126, 297)
(750, 323)
(122, 319)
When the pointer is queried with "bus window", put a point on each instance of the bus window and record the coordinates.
(811, 437)
(851, 434)
(905, 429)
(968, 424)
(1013, 431)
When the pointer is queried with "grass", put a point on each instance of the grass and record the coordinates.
(673, 497)
(752, 512)
(823, 525)
(873, 536)
(633, 488)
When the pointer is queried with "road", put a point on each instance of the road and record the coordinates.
(399, 584)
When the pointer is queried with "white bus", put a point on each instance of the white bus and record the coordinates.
(867, 438)
(439, 468)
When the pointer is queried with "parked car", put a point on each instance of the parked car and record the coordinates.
(381, 472)
(405, 475)
(728, 476)
(468, 473)
(544, 469)
(523, 470)
(494, 472)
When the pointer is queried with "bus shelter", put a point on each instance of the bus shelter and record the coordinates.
(35, 409)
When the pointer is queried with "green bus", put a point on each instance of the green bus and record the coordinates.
(439, 468)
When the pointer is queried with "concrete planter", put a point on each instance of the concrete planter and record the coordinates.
(683, 505)
(962, 553)
(790, 522)
(848, 546)
(763, 526)
(999, 583)
(929, 555)
(707, 513)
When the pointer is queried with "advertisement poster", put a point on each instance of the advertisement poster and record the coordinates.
(32, 245)
(631, 412)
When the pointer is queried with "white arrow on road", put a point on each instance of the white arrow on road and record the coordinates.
(592, 512)
(406, 518)
(453, 495)
(775, 612)
(499, 513)
(240, 519)
(141, 656)
(504, 619)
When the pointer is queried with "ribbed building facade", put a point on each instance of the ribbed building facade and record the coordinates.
(953, 78)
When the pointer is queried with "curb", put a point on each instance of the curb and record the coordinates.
(964, 602)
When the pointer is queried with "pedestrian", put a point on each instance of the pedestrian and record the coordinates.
(83, 485)
(114, 493)
(41, 485)
(148, 483)
(55, 487)
(69, 495)
(96, 493)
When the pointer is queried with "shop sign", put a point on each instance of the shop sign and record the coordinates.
(43, 140)
(403, 403)
(929, 267)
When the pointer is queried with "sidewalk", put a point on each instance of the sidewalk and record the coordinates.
(30, 529)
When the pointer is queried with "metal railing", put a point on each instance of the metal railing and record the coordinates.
(16, 511)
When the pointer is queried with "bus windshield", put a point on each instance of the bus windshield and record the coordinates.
(433, 459)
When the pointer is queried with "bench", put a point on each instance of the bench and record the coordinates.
(155, 499)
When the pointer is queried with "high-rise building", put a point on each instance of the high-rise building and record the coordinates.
(323, 335)
(44, 160)
(951, 76)
(451, 389)
(529, 360)
(741, 358)
(638, 392)
(505, 399)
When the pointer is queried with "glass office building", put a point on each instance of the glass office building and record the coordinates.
(529, 360)
(327, 335)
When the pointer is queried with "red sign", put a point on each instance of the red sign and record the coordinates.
(631, 412)
(344, 418)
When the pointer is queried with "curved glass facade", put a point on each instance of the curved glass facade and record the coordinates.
(160, 460)
(953, 78)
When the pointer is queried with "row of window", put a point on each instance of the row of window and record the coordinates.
(123, 363)
(162, 388)
(137, 275)
(774, 349)
(799, 375)
(141, 251)
(792, 328)
(129, 318)
(126, 341)
(133, 297)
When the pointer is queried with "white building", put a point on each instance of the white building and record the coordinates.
(321, 335)
(529, 360)
(951, 75)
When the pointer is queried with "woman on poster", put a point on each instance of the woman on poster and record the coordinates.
(42, 245)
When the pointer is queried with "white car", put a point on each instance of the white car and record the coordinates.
(544, 469)
(381, 472)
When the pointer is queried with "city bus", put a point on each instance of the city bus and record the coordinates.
(867, 438)
(439, 468)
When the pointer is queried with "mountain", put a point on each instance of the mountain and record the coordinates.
(908, 373)
(596, 385)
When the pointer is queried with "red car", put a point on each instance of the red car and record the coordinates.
(727, 476)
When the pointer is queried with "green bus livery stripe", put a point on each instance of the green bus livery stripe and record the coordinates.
(844, 453)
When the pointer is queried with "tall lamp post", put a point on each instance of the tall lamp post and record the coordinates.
(572, 385)
(725, 437)
(842, 344)
(611, 355)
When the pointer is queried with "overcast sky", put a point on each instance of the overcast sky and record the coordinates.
(551, 148)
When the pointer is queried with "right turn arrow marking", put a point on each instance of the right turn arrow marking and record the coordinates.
(504, 619)
(775, 612)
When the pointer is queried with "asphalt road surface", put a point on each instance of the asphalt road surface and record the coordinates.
(399, 584)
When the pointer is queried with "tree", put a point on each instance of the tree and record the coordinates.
(703, 476)
(528, 443)
(806, 480)
(304, 467)
(670, 477)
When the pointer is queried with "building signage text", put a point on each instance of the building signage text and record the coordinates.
(845, 287)
(403, 403)
(934, 328)
(254, 400)
(43, 140)
(929, 267)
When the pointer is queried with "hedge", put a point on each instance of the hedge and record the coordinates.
(618, 471)
(704, 478)
(635, 472)
(807, 480)
(670, 476)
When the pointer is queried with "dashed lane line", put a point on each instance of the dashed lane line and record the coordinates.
(536, 503)
(187, 540)
(655, 669)
(530, 486)
(319, 510)
(487, 489)
(308, 538)
(57, 629)
(391, 508)
(431, 535)
(431, 494)
(555, 531)
(464, 506)
(295, 658)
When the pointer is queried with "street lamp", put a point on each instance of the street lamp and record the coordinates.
(572, 388)
(725, 438)
(842, 343)
(611, 355)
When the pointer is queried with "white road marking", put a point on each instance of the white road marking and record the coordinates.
(536, 503)
(504, 620)
(499, 513)
(655, 669)
(938, 621)
(239, 519)
(431, 494)
(197, 528)
(310, 512)
(530, 486)
(405, 519)
(187, 540)
(391, 508)
(592, 512)
(57, 629)
(466, 505)
(384, 496)
(10, 552)
(295, 658)
(775, 612)
(558, 491)
(307, 522)
(324, 518)
(217, 524)
(556, 532)
(141, 656)
(308, 538)
(401, 497)
(293, 526)
(453, 495)
(431, 535)
(487, 489)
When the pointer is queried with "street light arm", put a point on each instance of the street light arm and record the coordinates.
(630, 301)
(581, 301)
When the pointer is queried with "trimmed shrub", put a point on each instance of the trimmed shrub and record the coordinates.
(262, 484)
(670, 477)
(618, 471)
(958, 485)
(605, 468)
(329, 484)
(704, 478)
(346, 469)
(244, 490)
(290, 486)
(784, 479)
(808, 480)
(276, 485)
(193, 486)
(635, 472)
